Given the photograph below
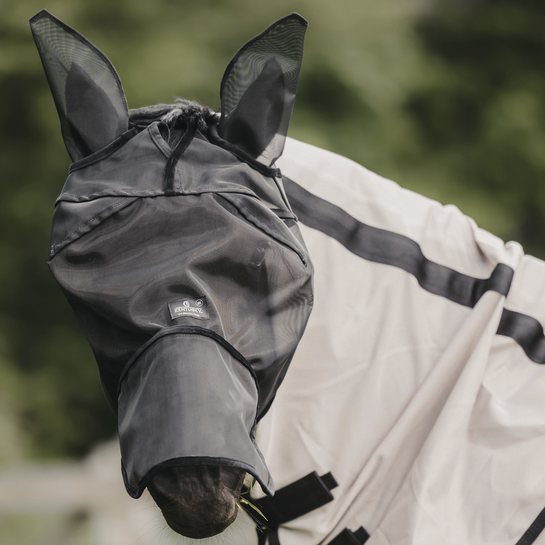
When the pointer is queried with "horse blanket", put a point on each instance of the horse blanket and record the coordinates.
(419, 382)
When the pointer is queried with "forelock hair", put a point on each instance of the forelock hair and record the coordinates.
(174, 118)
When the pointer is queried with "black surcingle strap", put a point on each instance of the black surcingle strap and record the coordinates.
(290, 502)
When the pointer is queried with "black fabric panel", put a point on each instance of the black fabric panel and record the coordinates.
(124, 273)
(526, 331)
(381, 246)
(73, 220)
(533, 532)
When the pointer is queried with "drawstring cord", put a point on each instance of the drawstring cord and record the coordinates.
(170, 168)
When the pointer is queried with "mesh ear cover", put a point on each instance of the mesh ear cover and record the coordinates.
(258, 89)
(195, 295)
(270, 83)
(85, 87)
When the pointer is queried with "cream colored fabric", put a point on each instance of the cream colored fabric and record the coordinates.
(432, 424)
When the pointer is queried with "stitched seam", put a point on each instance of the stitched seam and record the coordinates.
(76, 231)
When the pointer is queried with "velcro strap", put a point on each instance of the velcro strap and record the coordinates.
(296, 499)
(288, 503)
(347, 537)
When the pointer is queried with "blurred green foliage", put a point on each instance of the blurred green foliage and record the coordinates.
(446, 98)
(482, 114)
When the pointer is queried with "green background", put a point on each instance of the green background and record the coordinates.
(446, 98)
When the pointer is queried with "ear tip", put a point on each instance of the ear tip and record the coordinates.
(292, 18)
(42, 14)
(296, 16)
(44, 21)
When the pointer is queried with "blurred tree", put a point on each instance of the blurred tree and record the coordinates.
(481, 114)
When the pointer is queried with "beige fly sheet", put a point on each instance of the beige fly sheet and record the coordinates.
(419, 384)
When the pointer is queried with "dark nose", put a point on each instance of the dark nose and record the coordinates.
(198, 501)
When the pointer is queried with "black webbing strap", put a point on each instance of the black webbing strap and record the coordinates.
(533, 532)
(347, 537)
(288, 503)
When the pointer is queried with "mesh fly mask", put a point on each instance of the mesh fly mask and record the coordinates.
(182, 262)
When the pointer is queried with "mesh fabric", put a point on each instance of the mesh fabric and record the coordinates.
(279, 50)
(85, 86)
(191, 283)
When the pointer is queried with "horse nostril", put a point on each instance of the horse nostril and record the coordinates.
(198, 501)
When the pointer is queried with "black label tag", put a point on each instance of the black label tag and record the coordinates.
(189, 306)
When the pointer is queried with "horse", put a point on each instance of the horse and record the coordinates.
(177, 249)
(192, 247)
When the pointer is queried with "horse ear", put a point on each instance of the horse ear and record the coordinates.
(258, 89)
(85, 86)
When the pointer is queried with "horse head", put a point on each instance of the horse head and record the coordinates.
(177, 249)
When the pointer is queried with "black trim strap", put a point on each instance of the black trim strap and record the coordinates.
(381, 246)
(288, 503)
(215, 138)
(388, 248)
(185, 330)
(526, 331)
(113, 146)
(533, 532)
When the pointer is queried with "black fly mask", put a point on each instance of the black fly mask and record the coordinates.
(181, 257)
